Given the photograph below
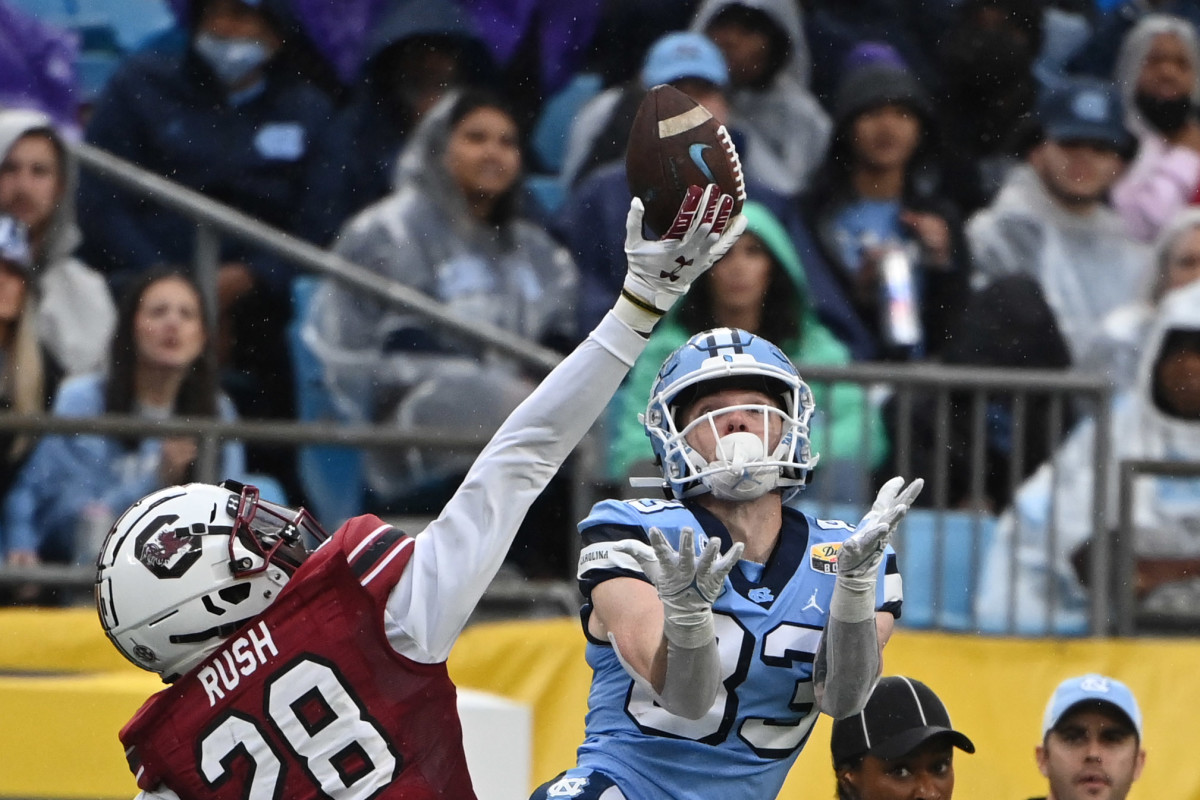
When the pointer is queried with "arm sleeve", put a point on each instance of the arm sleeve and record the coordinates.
(849, 659)
(455, 558)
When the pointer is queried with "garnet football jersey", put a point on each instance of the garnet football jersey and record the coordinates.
(310, 700)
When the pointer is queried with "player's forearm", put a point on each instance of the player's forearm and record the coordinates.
(688, 679)
(848, 662)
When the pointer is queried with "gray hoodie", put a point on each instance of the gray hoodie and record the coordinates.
(785, 128)
(381, 363)
(76, 314)
(1085, 264)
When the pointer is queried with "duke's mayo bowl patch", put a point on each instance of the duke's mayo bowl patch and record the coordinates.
(823, 557)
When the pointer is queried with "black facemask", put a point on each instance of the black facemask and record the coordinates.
(1164, 115)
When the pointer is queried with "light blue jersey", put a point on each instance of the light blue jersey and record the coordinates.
(769, 620)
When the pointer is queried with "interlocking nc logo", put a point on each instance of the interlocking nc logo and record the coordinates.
(673, 274)
(1094, 684)
(567, 787)
(761, 595)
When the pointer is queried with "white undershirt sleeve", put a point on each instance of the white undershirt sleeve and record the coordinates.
(457, 555)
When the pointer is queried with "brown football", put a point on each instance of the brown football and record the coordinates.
(676, 143)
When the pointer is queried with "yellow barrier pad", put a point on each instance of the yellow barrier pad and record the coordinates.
(59, 732)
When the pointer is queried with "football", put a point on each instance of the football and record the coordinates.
(675, 143)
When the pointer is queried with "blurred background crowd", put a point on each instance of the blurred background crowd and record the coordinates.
(992, 183)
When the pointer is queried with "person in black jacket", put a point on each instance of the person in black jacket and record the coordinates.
(877, 195)
(231, 117)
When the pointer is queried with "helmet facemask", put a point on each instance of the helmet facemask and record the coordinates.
(279, 535)
(744, 466)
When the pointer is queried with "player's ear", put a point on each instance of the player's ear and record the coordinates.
(847, 785)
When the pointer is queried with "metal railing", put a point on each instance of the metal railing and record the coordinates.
(1129, 618)
(904, 382)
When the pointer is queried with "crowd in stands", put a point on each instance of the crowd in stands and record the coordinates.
(996, 183)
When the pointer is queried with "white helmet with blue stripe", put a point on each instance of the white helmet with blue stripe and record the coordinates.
(743, 468)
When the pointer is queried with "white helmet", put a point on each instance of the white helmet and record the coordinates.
(185, 567)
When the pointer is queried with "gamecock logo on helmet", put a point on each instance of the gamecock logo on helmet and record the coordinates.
(165, 550)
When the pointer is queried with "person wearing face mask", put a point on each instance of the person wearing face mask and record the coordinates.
(230, 117)
(1158, 72)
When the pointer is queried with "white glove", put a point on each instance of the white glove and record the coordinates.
(859, 557)
(686, 585)
(660, 272)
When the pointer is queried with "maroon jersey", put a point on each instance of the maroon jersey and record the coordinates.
(309, 699)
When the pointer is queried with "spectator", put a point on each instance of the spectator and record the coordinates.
(29, 375)
(450, 229)
(786, 131)
(1051, 221)
(987, 62)
(1091, 740)
(900, 745)
(759, 286)
(1159, 81)
(231, 117)
(1049, 525)
(76, 314)
(1097, 56)
(74, 485)
(416, 52)
(1176, 263)
(877, 200)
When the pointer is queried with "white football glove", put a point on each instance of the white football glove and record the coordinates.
(686, 585)
(859, 557)
(660, 272)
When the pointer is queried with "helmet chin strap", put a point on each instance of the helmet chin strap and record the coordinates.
(740, 475)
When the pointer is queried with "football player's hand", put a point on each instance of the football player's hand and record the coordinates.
(687, 585)
(860, 555)
(660, 272)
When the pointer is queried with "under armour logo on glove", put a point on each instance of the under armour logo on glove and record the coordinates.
(673, 275)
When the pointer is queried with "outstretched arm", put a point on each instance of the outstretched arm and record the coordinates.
(663, 632)
(456, 557)
(850, 656)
